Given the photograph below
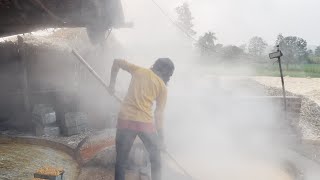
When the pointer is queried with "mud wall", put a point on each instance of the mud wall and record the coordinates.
(11, 97)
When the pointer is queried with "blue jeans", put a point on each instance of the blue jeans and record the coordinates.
(124, 142)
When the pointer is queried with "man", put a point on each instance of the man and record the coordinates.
(135, 117)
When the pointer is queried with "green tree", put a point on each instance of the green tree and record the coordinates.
(280, 37)
(218, 47)
(185, 18)
(206, 43)
(317, 51)
(310, 52)
(243, 47)
(294, 50)
(232, 52)
(257, 46)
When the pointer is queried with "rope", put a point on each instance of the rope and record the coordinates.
(172, 21)
(109, 32)
(177, 164)
(178, 25)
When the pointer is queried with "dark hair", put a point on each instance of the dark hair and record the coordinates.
(164, 68)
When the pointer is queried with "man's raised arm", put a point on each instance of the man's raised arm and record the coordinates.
(116, 66)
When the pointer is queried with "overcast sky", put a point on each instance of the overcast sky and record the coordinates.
(234, 21)
(237, 20)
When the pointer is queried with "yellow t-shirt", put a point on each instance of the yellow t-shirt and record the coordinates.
(145, 88)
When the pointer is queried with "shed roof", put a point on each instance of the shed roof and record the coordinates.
(22, 16)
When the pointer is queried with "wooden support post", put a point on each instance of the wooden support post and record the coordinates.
(25, 81)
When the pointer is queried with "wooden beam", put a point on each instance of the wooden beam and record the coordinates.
(25, 80)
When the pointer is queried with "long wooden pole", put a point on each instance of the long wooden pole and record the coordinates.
(283, 88)
(95, 74)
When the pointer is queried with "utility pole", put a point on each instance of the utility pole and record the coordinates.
(282, 81)
(278, 55)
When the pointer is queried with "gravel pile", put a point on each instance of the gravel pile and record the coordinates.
(309, 116)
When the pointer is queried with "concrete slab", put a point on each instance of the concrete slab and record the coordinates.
(47, 131)
(75, 119)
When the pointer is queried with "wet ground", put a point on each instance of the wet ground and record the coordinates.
(20, 161)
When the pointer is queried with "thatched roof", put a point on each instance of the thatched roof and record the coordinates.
(22, 16)
(60, 41)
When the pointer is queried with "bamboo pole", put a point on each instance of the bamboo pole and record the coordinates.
(95, 74)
